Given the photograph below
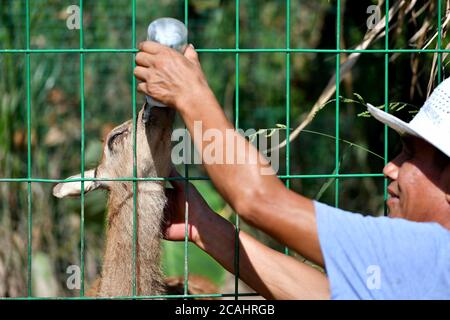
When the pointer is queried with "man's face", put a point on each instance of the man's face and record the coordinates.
(419, 186)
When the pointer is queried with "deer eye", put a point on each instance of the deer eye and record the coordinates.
(114, 137)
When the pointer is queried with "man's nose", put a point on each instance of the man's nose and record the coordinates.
(391, 171)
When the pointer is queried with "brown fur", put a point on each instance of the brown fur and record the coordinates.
(153, 160)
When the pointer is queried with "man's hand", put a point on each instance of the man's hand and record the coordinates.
(199, 211)
(272, 274)
(167, 75)
(174, 228)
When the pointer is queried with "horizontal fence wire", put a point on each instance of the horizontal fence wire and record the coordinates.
(177, 296)
(291, 176)
(233, 50)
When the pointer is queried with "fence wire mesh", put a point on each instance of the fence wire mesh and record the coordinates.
(237, 51)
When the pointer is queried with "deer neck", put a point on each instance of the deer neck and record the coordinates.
(117, 274)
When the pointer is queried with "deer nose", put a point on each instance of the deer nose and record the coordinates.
(146, 113)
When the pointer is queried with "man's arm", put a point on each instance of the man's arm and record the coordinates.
(272, 274)
(269, 272)
(262, 200)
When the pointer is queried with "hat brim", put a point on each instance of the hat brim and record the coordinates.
(393, 122)
(404, 128)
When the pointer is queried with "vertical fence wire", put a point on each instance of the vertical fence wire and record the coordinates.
(386, 101)
(135, 187)
(288, 98)
(29, 202)
(439, 42)
(338, 76)
(186, 184)
(82, 244)
(236, 124)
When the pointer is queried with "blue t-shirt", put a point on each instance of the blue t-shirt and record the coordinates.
(383, 258)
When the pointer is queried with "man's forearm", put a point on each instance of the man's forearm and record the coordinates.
(261, 199)
(272, 274)
(227, 177)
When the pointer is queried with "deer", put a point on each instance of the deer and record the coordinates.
(153, 132)
(153, 148)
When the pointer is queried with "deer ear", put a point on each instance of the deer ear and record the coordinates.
(73, 189)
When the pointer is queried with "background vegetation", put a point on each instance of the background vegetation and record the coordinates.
(55, 110)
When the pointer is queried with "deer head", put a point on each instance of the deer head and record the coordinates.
(153, 129)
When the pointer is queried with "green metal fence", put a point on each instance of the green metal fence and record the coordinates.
(237, 50)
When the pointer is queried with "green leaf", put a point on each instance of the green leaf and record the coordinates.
(199, 262)
(361, 100)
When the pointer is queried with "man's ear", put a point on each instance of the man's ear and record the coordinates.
(73, 189)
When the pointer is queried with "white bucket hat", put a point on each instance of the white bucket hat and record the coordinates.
(432, 123)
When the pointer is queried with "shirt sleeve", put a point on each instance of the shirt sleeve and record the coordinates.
(383, 258)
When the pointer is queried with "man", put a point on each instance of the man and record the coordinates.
(406, 256)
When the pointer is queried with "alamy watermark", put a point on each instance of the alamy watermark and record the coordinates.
(73, 20)
(373, 281)
(73, 281)
(375, 16)
(227, 147)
